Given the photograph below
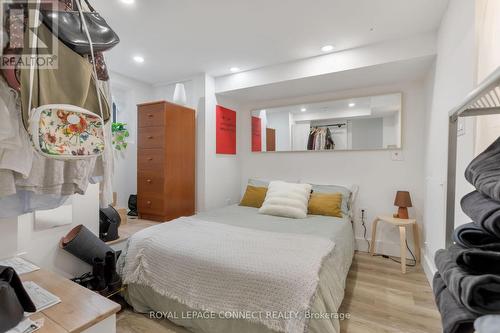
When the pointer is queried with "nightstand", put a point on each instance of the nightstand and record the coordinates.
(402, 224)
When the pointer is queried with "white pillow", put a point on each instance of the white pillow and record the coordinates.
(286, 199)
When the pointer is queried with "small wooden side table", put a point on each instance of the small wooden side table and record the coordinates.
(402, 224)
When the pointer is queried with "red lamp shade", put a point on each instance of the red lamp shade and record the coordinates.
(403, 201)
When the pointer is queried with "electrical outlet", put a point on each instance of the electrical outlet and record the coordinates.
(397, 156)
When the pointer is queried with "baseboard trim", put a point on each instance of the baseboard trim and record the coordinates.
(429, 268)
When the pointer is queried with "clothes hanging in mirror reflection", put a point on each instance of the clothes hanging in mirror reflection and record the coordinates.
(320, 138)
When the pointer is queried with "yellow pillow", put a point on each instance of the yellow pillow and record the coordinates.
(328, 204)
(254, 196)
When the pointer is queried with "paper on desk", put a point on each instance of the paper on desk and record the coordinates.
(42, 298)
(20, 265)
(27, 326)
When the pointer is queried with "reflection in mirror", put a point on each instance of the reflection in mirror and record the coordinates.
(362, 123)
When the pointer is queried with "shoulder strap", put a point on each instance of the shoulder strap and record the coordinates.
(88, 5)
(96, 79)
(34, 52)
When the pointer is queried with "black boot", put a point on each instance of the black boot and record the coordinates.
(99, 281)
(113, 280)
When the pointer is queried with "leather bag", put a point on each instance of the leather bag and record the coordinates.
(14, 300)
(69, 28)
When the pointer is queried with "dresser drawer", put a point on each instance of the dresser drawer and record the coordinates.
(150, 204)
(151, 137)
(150, 182)
(150, 159)
(151, 115)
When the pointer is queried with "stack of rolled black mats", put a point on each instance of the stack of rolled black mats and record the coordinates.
(467, 284)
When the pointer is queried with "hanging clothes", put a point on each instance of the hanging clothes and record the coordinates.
(15, 153)
(320, 138)
(310, 140)
(103, 172)
(71, 83)
(330, 144)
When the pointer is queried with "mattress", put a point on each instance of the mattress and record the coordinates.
(328, 296)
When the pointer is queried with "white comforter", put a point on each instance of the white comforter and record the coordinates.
(214, 267)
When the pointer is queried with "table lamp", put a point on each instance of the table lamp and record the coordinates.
(403, 201)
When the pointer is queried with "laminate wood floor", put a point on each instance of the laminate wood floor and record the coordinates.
(378, 298)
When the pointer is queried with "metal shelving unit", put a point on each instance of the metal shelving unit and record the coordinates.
(484, 100)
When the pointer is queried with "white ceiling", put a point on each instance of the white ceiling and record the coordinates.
(359, 107)
(384, 74)
(182, 38)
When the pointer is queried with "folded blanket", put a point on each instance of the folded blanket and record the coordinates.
(480, 294)
(471, 235)
(476, 261)
(455, 318)
(483, 210)
(484, 171)
(218, 268)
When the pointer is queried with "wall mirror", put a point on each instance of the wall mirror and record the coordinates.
(362, 123)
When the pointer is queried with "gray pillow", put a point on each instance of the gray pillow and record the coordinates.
(263, 183)
(258, 183)
(346, 194)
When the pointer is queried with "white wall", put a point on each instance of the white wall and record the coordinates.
(452, 79)
(367, 133)
(42, 247)
(374, 171)
(280, 121)
(127, 93)
(222, 178)
(488, 25)
(166, 92)
(18, 236)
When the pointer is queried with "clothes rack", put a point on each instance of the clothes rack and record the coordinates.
(484, 100)
(330, 125)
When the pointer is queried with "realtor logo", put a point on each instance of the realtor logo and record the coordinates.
(19, 27)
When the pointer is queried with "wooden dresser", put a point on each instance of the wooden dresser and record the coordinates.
(165, 161)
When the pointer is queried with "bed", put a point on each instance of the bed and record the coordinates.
(327, 297)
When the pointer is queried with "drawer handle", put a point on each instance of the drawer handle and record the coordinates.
(150, 137)
(150, 159)
(150, 115)
(148, 180)
(148, 203)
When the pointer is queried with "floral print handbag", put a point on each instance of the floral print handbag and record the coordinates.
(64, 131)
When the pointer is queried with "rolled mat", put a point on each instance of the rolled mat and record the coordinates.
(84, 245)
(471, 235)
(476, 261)
(484, 171)
(483, 211)
(455, 318)
(480, 294)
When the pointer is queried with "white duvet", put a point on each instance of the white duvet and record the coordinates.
(214, 267)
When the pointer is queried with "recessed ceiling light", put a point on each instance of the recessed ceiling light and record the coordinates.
(138, 59)
(128, 2)
(303, 110)
(327, 48)
(351, 105)
(234, 69)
